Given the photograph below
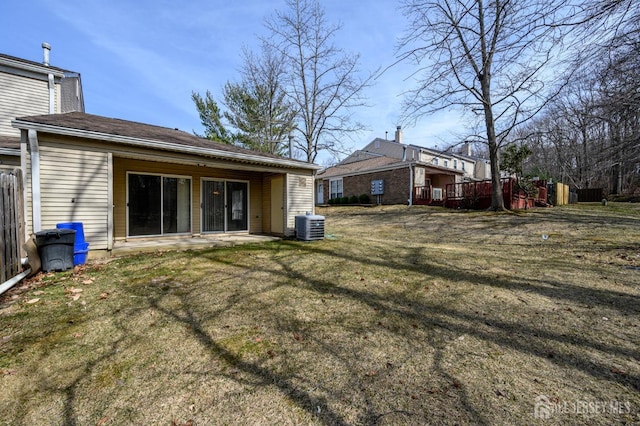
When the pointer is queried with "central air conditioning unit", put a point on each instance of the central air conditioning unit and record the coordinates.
(310, 227)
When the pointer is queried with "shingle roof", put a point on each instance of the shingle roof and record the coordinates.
(361, 166)
(378, 164)
(128, 129)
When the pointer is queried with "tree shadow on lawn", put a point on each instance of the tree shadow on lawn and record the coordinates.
(524, 338)
(530, 339)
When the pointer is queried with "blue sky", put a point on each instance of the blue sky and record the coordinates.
(140, 60)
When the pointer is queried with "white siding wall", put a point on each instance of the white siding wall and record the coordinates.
(20, 97)
(300, 191)
(74, 188)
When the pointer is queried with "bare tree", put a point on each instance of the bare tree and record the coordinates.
(488, 58)
(323, 81)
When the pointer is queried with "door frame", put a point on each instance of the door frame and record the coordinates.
(161, 175)
(225, 230)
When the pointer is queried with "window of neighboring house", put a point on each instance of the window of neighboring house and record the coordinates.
(446, 163)
(455, 164)
(462, 165)
(335, 188)
(435, 161)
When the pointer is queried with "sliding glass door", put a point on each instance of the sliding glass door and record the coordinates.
(225, 206)
(213, 206)
(158, 205)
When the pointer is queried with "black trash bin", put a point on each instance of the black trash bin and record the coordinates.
(55, 247)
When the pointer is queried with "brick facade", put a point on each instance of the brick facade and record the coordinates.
(396, 186)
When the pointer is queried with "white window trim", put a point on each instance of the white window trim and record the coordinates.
(331, 181)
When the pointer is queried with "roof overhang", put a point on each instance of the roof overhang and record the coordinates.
(10, 151)
(395, 166)
(165, 146)
(29, 69)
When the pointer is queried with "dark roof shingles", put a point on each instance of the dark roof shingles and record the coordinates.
(118, 127)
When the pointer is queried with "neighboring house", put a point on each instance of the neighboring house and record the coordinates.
(128, 180)
(472, 167)
(32, 88)
(405, 174)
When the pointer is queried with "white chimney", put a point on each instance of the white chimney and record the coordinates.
(399, 134)
(46, 49)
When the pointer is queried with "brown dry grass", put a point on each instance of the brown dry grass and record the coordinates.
(400, 316)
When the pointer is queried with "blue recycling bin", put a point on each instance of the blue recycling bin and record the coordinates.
(81, 247)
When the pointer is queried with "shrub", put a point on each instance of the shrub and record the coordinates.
(353, 199)
(364, 199)
(344, 200)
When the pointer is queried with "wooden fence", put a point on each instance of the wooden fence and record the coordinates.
(11, 224)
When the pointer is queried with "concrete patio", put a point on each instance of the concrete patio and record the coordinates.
(137, 245)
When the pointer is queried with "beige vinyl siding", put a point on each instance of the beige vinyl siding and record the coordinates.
(300, 191)
(22, 96)
(75, 188)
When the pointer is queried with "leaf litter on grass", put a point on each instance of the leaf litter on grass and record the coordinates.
(429, 317)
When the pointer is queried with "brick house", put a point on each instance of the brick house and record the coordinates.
(386, 180)
(405, 174)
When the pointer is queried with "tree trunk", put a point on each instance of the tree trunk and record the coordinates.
(497, 201)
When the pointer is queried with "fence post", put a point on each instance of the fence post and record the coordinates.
(11, 224)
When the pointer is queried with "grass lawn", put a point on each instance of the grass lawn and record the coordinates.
(399, 316)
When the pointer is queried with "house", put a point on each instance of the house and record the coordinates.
(127, 180)
(473, 168)
(32, 88)
(392, 172)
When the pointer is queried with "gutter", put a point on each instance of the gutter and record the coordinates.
(154, 144)
(10, 151)
(34, 68)
(36, 206)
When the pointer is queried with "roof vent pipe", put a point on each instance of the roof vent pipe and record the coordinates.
(399, 134)
(46, 49)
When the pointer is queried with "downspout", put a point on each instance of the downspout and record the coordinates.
(13, 281)
(52, 95)
(411, 169)
(36, 208)
(404, 158)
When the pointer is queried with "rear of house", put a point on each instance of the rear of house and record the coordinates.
(126, 180)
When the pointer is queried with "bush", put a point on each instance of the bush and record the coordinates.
(344, 200)
(331, 201)
(353, 199)
(364, 199)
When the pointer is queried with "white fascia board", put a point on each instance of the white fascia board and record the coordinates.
(154, 144)
(41, 70)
